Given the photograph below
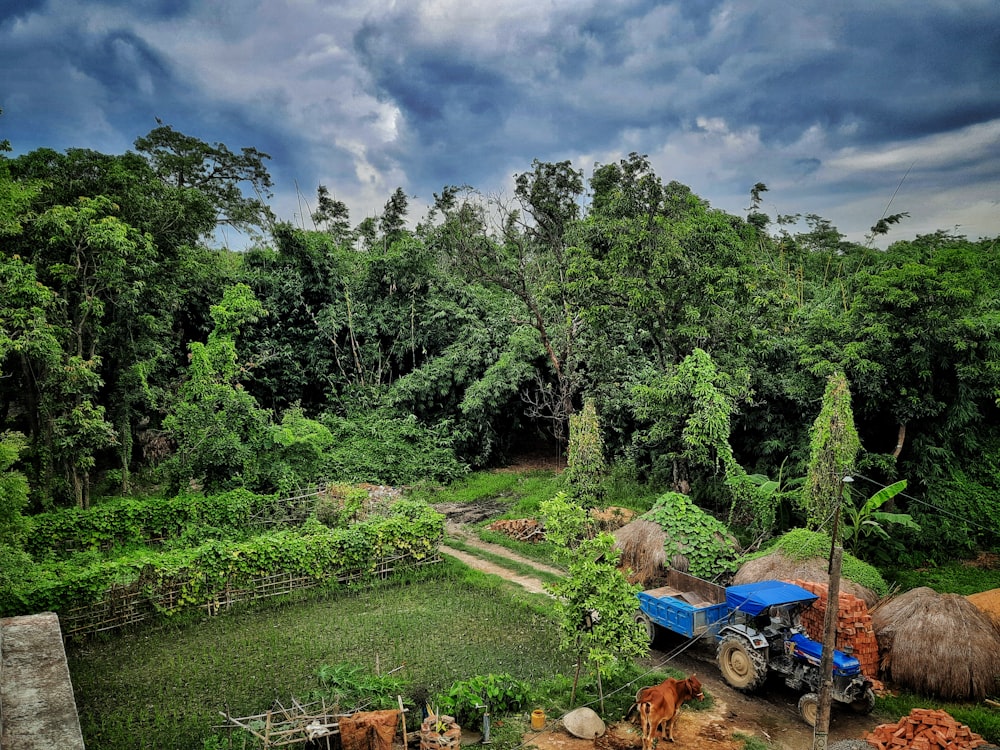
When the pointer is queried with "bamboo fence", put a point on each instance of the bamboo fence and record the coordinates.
(297, 724)
(133, 603)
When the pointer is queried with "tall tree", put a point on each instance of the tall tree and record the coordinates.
(834, 447)
(96, 264)
(218, 428)
(214, 171)
(520, 251)
(332, 216)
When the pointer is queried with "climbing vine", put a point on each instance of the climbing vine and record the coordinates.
(585, 466)
(700, 537)
(176, 580)
(833, 448)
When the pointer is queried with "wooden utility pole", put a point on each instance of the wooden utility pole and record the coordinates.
(822, 729)
(826, 661)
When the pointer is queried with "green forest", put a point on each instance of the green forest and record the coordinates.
(139, 355)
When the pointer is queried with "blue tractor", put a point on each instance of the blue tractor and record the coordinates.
(757, 631)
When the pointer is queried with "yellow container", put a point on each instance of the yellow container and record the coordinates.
(538, 719)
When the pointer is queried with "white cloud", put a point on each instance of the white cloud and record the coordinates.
(966, 145)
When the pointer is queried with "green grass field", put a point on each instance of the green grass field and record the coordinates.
(164, 687)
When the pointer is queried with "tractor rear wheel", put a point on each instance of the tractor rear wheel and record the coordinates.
(651, 628)
(742, 666)
(809, 708)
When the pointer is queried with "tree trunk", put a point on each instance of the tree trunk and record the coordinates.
(899, 441)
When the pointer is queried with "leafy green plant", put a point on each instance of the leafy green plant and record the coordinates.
(352, 686)
(700, 537)
(859, 522)
(771, 501)
(299, 445)
(595, 606)
(13, 487)
(566, 523)
(834, 446)
(385, 447)
(339, 505)
(586, 468)
(467, 700)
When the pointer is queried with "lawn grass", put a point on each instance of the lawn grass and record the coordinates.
(955, 577)
(165, 687)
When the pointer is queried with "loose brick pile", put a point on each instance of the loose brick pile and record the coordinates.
(924, 729)
(855, 634)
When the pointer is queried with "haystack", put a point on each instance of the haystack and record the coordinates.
(988, 602)
(642, 550)
(939, 645)
(778, 565)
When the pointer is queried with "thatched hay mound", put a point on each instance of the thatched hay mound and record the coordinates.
(678, 533)
(612, 517)
(938, 644)
(778, 565)
(643, 551)
(988, 602)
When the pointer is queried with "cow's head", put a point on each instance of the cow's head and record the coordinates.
(695, 687)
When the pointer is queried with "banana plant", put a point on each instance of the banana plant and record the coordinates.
(866, 520)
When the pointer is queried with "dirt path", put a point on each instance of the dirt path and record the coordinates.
(772, 716)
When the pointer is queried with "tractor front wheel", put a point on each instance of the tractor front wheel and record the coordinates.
(742, 666)
(865, 704)
(809, 708)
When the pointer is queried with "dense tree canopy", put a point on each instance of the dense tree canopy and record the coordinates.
(133, 350)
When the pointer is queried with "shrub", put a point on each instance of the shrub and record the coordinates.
(703, 539)
(800, 544)
(389, 449)
(466, 699)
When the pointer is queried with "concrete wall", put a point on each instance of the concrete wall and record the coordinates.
(37, 705)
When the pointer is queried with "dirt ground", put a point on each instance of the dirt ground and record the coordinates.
(772, 716)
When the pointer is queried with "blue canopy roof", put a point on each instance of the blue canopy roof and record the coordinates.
(754, 598)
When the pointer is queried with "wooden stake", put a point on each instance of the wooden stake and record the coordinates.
(402, 719)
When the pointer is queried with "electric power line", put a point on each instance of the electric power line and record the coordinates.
(942, 511)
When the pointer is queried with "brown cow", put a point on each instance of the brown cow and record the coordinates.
(661, 704)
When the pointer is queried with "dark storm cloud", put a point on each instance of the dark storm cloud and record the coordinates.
(120, 61)
(889, 73)
(9, 12)
(827, 103)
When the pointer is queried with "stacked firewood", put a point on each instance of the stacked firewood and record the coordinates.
(924, 729)
(521, 529)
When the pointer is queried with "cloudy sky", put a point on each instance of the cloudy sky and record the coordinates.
(839, 107)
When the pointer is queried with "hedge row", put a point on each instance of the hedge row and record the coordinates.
(127, 521)
(410, 529)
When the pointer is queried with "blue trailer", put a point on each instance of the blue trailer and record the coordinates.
(757, 631)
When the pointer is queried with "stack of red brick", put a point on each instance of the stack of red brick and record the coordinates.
(855, 634)
(924, 729)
